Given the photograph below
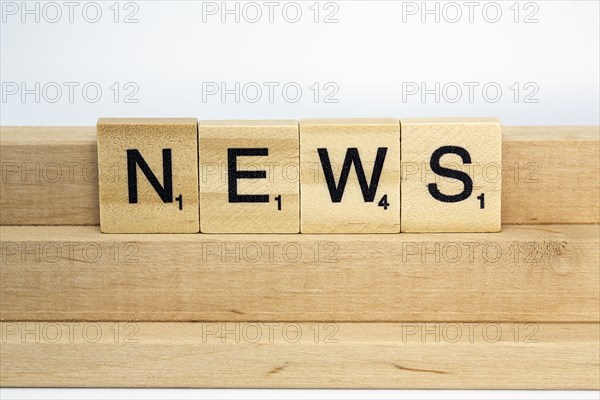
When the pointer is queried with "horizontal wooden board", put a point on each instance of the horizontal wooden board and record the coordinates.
(49, 176)
(550, 175)
(301, 355)
(543, 273)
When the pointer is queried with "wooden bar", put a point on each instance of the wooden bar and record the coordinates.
(49, 175)
(551, 175)
(301, 355)
(543, 273)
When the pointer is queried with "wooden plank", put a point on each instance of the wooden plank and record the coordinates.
(49, 176)
(550, 175)
(544, 273)
(301, 355)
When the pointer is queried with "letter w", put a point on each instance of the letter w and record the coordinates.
(369, 190)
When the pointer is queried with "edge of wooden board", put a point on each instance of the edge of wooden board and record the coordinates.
(10, 134)
(543, 273)
(301, 355)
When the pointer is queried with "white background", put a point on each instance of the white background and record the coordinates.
(533, 63)
(537, 62)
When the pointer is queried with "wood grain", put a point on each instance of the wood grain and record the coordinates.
(377, 146)
(551, 175)
(155, 209)
(546, 273)
(280, 143)
(49, 176)
(469, 146)
(301, 355)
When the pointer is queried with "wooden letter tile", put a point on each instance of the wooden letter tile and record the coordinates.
(350, 175)
(148, 175)
(249, 176)
(451, 175)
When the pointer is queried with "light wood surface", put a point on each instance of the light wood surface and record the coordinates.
(550, 175)
(301, 355)
(276, 149)
(517, 309)
(49, 176)
(365, 203)
(451, 174)
(524, 273)
(148, 178)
